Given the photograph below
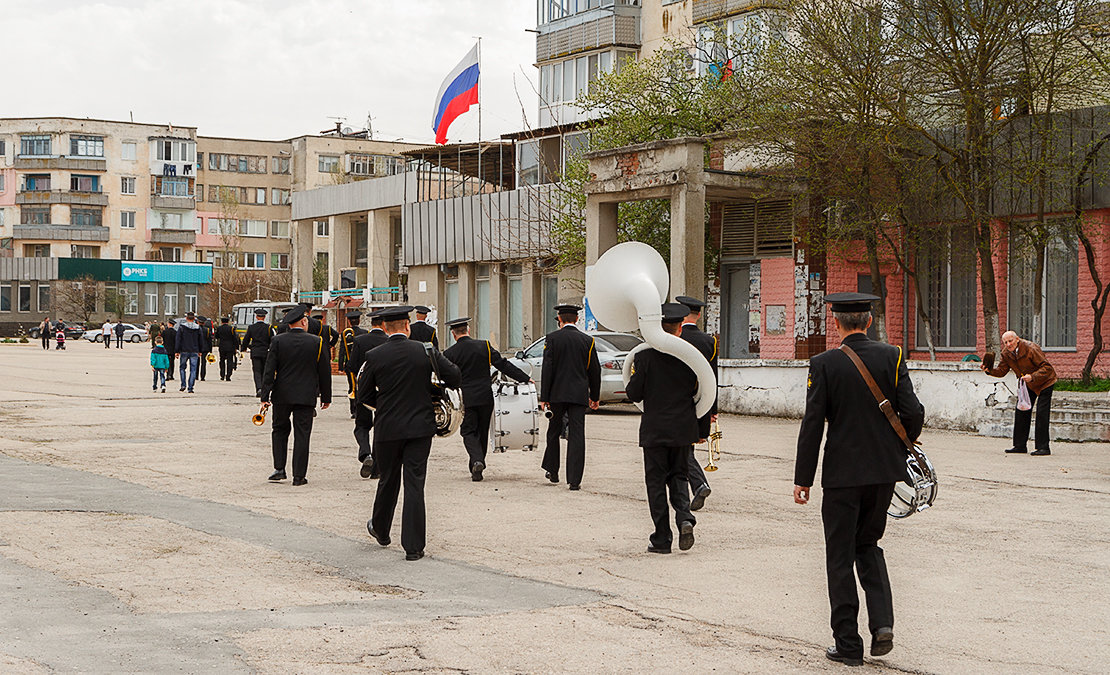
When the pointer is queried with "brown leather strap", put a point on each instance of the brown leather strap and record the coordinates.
(884, 403)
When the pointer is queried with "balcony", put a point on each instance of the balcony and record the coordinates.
(710, 10)
(66, 163)
(61, 232)
(170, 202)
(593, 29)
(79, 197)
(160, 236)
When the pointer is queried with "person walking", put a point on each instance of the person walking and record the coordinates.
(474, 359)
(228, 341)
(169, 341)
(106, 334)
(298, 372)
(864, 458)
(256, 341)
(45, 332)
(119, 329)
(570, 380)
(190, 344)
(668, 430)
(1028, 362)
(420, 330)
(364, 417)
(394, 381)
(707, 345)
(159, 363)
(209, 339)
(346, 350)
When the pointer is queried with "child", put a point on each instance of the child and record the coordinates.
(60, 336)
(159, 363)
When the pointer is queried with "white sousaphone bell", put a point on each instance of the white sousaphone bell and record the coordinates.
(625, 289)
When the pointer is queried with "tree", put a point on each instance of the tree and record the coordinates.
(78, 298)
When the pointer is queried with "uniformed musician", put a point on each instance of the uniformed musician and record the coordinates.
(395, 380)
(668, 430)
(420, 330)
(864, 458)
(228, 342)
(345, 346)
(707, 345)
(317, 326)
(475, 358)
(257, 341)
(364, 417)
(297, 372)
(570, 380)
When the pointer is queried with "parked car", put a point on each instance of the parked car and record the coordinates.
(73, 330)
(131, 333)
(611, 350)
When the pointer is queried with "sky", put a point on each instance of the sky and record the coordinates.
(269, 69)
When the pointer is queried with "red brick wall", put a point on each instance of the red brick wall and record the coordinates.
(777, 288)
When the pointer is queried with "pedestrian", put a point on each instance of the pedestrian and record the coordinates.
(154, 330)
(209, 338)
(256, 341)
(570, 380)
(1033, 370)
(228, 341)
(474, 359)
(330, 335)
(420, 330)
(364, 417)
(707, 345)
(395, 381)
(106, 334)
(119, 329)
(169, 340)
(346, 347)
(297, 373)
(668, 430)
(60, 336)
(864, 458)
(45, 330)
(190, 343)
(159, 363)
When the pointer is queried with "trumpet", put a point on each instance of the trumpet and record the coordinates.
(211, 358)
(714, 446)
(259, 418)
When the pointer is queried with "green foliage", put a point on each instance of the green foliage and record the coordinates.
(320, 274)
(1096, 384)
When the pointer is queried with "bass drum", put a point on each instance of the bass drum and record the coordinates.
(515, 422)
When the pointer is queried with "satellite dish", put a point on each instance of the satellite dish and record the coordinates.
(348, 130)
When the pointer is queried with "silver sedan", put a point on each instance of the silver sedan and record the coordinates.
(611, 350)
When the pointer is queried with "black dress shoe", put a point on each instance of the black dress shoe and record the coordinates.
(1040, 452)
(1013, 450)
(277, 475)
(882, 641)
(553, 477)
(685, 536)
(833, 655)
(300, 481)
(415, 555)
(659, 549)
(576, 486)
(699, 499)
(384, 541)
(476, 471)
(367, 467)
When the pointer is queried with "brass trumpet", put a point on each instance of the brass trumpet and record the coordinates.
(211, 358)
(259, 418)
(714, 446)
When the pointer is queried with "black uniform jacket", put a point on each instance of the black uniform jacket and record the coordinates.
(474, 358)
(422, 332)
(862, 448)
(571, 372)
(169, 339)
(257, 339)
(396, 380)
(666, 386)
(297, 370)
(226, 338)
(363, 344)
(346, 347)
(707, 345)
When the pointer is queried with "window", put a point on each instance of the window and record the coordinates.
(5, 297)
(127, 151)
(36, 250)
(165, 150)
(200, 160)
(254, 261)
(34, 215)
(76, 251)
(170, 253)
(131, 298)
(279, 196)
(24, 298)
(190, 301)
(86, 146)
(151, 307)
(85, 217)
(223, 226)
(279, 229)
(200, 192)
(127, 185)
(528, 161)
(36, 181)
(167, 221)
(550, 299)
(84, 183)
(1059, 290)
(126, 252)
(2, 182)
(328, 164)
(361, 165)
(44, 298)
(279, 165)
(279, 261)
(252, 228)
(321, 228)
(127, 220)
(216, 258)
(948, 275)
(169, 299)
(175, 187)
(3, 147)
(38, 144)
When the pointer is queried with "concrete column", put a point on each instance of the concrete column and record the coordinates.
(532, 311)
(303, 257)
(498, 306)
(601, 227)
(688, 240)
(466, 291)
(379, 248)
(339, 247)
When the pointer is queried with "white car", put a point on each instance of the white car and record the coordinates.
(131, 333)
(611, 350)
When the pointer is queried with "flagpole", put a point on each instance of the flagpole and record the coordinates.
(479, 112)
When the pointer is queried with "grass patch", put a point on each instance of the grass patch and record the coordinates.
(1096, 384)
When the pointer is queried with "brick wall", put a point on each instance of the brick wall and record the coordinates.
(777, 288)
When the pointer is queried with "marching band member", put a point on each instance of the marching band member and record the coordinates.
(707, 345)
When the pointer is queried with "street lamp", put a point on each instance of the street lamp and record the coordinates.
(220, 302)
(257, 289)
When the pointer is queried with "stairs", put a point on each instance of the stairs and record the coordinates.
(1076, 416)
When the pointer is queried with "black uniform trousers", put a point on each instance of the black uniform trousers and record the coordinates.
(665, 475)
(362, 437)
(258, 364)
(475, 432)
(301, 427)
(694, 473)
(408, 459)
(576, 440)
(203, 366)
(855, 519)
(227, 364)
(169, 373)
(1043, 402)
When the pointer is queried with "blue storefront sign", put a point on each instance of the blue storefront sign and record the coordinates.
(163, 272)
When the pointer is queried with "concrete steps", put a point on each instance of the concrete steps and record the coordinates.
(1075, 416)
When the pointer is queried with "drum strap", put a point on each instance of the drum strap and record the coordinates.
(884, 403)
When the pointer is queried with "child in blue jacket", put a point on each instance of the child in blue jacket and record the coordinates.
(159, 362)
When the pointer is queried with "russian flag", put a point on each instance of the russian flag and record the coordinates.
(458, 92)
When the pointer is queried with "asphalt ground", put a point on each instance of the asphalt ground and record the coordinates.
(138, 533)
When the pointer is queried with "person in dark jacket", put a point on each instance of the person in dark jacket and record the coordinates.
(228, 342)
(169, 340)
(570, 380)
(119, 329)
(395, 381)
(190, 343)
(420, 330)
(206, 327)
(864, 458)
(257, 342)
(707, 345)
(364, 417)
(1028, 362)
(474, 359)
(298, 372)
(346, 347)
(668, 430)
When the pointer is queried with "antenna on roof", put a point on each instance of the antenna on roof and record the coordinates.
(369, 126)
(338, 123)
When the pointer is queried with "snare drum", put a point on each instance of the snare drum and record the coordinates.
(515, 421)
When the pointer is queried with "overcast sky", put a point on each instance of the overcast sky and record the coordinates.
(269, 69)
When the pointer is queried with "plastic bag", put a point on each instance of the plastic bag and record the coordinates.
(1023, 396)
